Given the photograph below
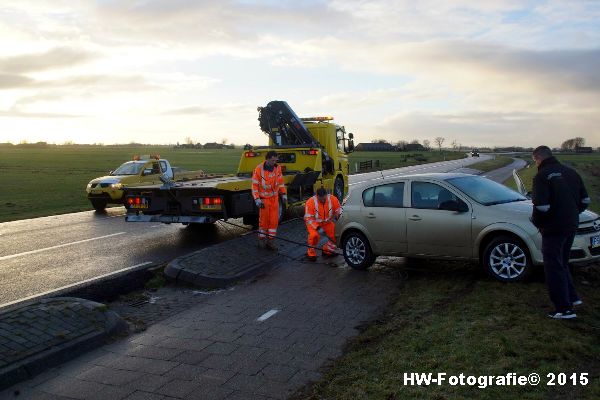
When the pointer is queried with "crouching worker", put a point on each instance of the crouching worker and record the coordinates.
(267, 186)
(321, 212)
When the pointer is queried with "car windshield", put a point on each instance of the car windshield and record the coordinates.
(485, 191)
(129, 168)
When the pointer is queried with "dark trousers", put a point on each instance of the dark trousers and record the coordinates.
(556, 248)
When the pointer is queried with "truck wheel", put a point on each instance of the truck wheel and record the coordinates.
(99, 204)
(338, 188)
(506, 259)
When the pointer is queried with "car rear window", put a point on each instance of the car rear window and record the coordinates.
(390, 195)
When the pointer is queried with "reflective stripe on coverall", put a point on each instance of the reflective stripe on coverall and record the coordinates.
(320, 215)
(267, 186)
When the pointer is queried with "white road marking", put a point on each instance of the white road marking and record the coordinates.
(59, 246)
(267, 315)
(74, 284)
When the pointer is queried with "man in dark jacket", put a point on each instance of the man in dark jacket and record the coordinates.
(558, 196)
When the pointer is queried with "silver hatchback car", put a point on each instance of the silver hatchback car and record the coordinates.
(451, 216)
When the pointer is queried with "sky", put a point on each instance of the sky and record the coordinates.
(478, 73)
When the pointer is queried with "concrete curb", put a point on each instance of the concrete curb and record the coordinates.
(101, 288)
(261, 260)
(53, 356)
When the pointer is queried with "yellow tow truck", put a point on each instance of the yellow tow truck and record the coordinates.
(141, 170)
(313, 153)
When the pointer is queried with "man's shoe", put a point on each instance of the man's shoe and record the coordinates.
(310, 258)
(329, 255)
(271, 246)
(578, 302)
(562, 315)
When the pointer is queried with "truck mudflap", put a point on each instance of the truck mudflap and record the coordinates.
(170, 219)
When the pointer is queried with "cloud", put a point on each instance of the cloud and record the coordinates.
(355, 99)
(213, 110)
(113, 83)
(22, 114)
(60, 57)
(9, 81)
(491, 129)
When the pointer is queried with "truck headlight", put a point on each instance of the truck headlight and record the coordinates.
(116, 186)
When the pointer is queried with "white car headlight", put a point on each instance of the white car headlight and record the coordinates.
(116, 186)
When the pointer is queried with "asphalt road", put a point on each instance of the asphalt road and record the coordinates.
(43, 254)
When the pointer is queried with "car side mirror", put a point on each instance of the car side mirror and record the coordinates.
(111, 172)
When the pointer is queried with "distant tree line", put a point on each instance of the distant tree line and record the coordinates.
(572, 144)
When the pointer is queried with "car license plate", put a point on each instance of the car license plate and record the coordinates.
(210, 207)
(139, 206)
(595, 241)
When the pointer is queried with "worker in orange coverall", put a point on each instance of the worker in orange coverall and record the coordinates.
(267, 186)
(321, 212)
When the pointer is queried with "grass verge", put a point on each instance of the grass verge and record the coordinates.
(449, 318)
(588, 166)
(391, 159)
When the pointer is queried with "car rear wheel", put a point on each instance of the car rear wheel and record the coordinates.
(507, 259)
(357, 251)
(99, 204)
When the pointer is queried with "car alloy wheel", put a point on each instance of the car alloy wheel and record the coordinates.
(357, 251)
(506, 259)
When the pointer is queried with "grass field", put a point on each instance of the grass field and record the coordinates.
(490, 165)
(450, 318)
(390, 160)
(588, 166)
(48, 181)
(38, 182)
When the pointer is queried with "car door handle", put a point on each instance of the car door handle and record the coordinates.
(370, 215)
(415, 218)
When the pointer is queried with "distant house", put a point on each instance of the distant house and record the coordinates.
(414, 147)
(374, 147)
(584, 150)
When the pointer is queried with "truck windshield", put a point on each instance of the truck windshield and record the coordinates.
(485, 191)
(129, 168)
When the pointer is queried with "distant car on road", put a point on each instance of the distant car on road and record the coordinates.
(474, 153)
(451, 216)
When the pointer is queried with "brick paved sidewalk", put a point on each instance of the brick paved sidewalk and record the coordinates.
(262, 340)
(51, 331)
